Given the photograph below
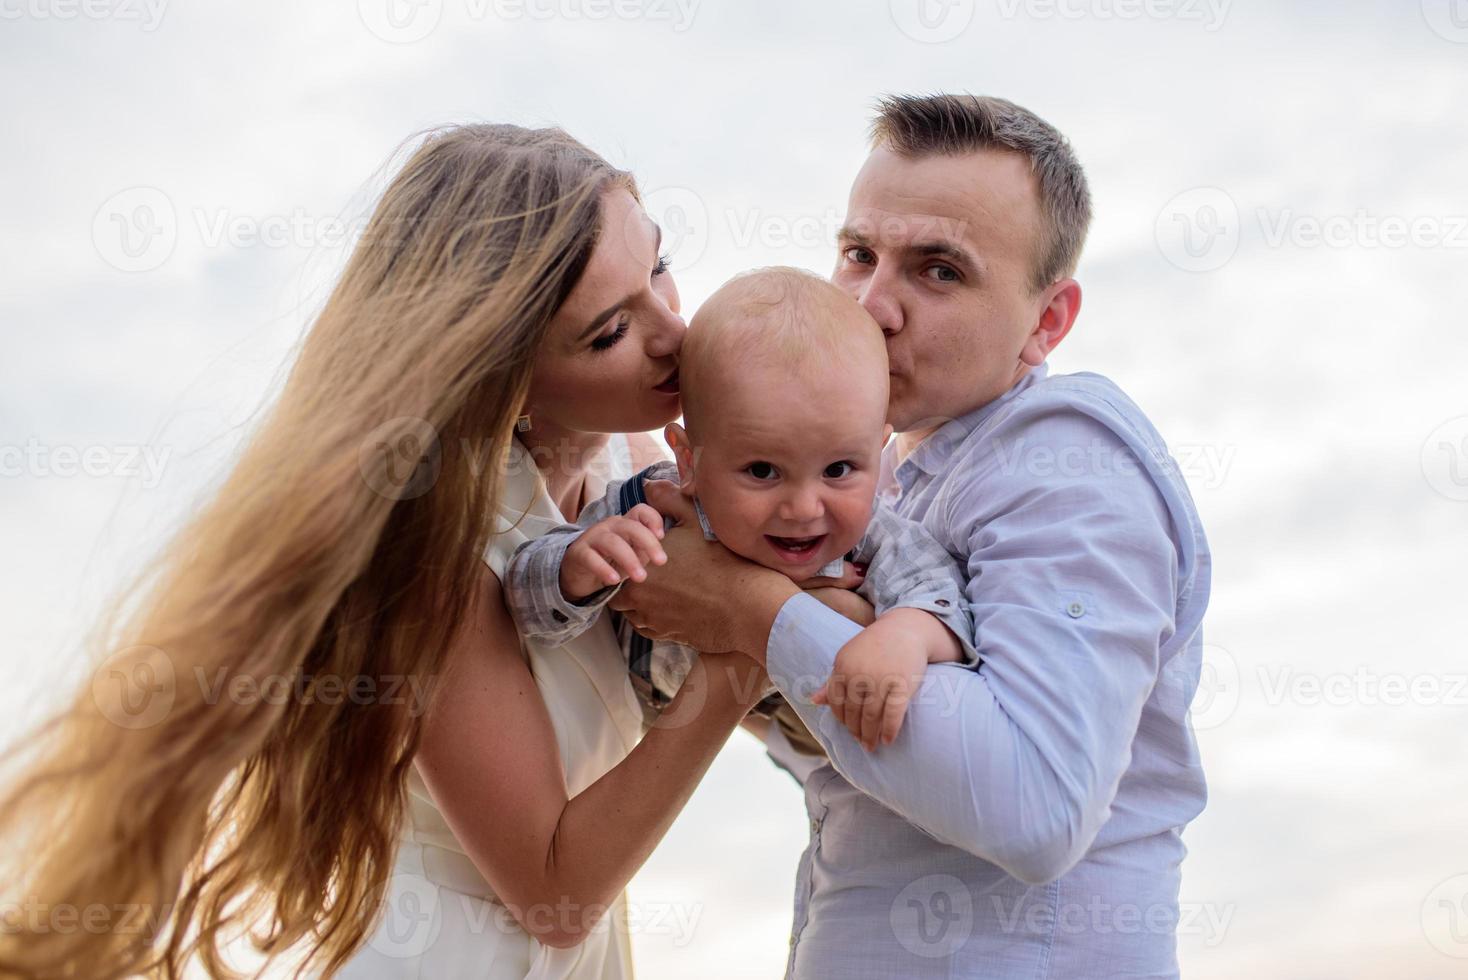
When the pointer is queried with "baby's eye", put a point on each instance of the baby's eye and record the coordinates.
(760, 471)
(836, 466)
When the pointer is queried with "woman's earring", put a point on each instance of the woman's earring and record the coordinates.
(522, 424)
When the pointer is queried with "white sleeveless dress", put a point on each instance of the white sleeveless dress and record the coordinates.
(442, 921)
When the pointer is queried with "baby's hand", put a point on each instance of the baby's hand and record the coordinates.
(612, 549)
(872, 682)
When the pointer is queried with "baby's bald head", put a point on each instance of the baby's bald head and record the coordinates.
(773, 325)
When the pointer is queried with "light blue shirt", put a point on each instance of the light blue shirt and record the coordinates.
(1026, 821)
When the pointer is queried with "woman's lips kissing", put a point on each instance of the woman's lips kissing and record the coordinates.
(669, 385)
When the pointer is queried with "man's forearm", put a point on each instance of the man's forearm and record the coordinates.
(959, 769)
(758, 599)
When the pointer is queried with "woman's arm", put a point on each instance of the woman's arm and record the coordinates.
(489, 756)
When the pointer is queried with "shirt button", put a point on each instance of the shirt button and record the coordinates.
(1075, 610)
(558, 616)
(815, 825)
(941, 602)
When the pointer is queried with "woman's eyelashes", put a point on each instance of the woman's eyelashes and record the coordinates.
(608, 341)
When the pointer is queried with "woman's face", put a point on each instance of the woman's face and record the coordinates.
(610, 359)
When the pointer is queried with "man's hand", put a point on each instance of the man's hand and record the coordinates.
(611, 550)
(872, 682)
(705, 596)
(847, 603)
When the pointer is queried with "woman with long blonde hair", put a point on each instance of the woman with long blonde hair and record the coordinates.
(315, 707)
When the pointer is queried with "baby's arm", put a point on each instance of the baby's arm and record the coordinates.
(538, 601)
(917, 590)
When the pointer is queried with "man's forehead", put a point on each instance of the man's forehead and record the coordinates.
(936, 200)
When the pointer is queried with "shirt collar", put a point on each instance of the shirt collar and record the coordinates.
(932, 454)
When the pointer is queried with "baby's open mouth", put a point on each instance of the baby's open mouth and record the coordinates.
(669, 386)
(795, 549)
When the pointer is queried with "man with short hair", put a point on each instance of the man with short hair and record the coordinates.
(1026, 821)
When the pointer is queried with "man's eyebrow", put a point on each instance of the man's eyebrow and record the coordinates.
(946, 250)
(601, 317)
(940, 249)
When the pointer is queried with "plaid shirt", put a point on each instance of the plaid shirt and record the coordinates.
(906, 567)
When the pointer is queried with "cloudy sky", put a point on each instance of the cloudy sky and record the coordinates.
(1280, 238)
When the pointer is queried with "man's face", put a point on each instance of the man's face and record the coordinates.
(940, 250)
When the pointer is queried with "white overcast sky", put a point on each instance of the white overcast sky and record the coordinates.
(1274, 275)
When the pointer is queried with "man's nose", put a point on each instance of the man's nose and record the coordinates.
(879, 298)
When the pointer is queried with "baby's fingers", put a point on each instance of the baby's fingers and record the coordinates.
(646, 543)
(597, 567)
(620, 554)
(649, 518)
(893, 713)
(858, 693)
(871, 718)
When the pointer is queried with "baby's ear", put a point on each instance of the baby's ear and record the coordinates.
(677, 438)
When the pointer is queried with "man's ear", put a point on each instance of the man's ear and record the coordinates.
(1062, 303)
(682, 448)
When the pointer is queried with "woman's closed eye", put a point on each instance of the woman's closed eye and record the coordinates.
(608, 341)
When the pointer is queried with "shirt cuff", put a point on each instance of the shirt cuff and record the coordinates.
(563, 610)
(804, 641)
(958, 621)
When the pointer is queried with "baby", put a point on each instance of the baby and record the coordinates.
(784, 384)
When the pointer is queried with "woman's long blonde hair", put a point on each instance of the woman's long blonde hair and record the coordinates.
(189, 817)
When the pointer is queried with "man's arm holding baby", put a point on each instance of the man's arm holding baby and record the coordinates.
(922, 618)
(1017, 763)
